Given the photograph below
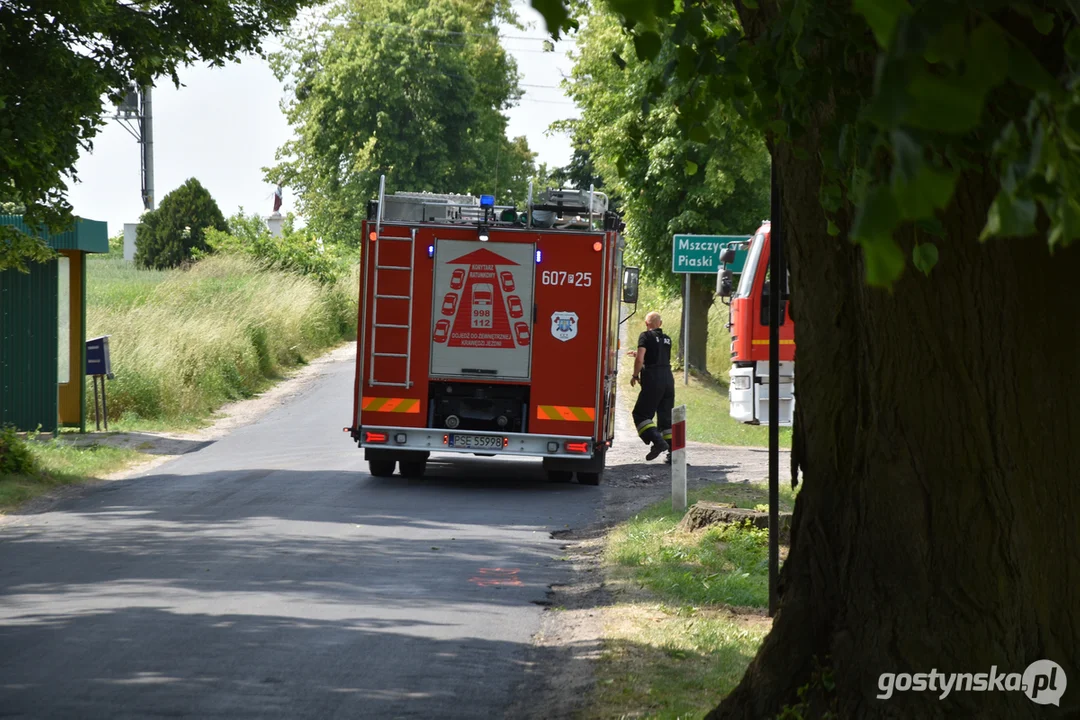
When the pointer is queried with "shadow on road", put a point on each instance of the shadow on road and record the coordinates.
(140, 662)
(283, 593)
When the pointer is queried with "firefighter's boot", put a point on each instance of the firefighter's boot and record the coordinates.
(659, 446)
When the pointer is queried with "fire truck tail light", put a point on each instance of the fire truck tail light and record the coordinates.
(553, 447)
(506, 442)
(577, 447)
(400, 438)
(374, 437)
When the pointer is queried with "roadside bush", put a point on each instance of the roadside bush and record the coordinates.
(15, 455)
(168, 236)
(295, 251)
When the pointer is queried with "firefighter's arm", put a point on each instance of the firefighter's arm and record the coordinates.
(639, 360)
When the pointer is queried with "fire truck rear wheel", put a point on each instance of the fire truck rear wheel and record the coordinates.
(382, 467)
(589, 478)
(413, 468)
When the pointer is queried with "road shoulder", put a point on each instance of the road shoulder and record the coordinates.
(561, 665)
(157, 448)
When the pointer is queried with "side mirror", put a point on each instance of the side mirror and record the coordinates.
(630, 285)
(723, 288)
(727, 256)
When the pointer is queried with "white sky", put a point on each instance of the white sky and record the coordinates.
(224, 125)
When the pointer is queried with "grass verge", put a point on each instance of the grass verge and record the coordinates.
(689, 612)
(60, 463)
(184, 342)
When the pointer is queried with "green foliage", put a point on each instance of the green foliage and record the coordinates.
(817, 698)
(60, 462)
(168, 235)
(295, 251)
(15, 456)
(407, 88)
(185, 342)
(17, 249)
(712, 180)
(60, 57)
(581, 172)
(724, 564)
(116, 247)
(902, 103)
(666, 662)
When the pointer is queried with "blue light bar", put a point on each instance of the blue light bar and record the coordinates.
(538, 256)
(487, 201)
(431, 251)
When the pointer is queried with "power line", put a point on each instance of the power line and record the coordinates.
(406, 30)
(460, 33)
(547, 102)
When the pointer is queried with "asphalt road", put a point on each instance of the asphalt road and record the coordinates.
(268, 575)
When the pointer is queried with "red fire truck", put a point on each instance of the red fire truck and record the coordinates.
(748, 323)
(488, 332)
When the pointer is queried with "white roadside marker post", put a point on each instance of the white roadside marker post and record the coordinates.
(678, 458)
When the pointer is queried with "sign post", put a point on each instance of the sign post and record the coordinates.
(678, 458)
(696, 255)
(99, 367)
(777, 271)
(686, 331)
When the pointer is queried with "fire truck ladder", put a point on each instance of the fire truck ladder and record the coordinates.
(376, 325)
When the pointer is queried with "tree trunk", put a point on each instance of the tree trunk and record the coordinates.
(701, 301)
(940, 439)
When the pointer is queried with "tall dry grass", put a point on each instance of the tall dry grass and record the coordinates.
(183, 342)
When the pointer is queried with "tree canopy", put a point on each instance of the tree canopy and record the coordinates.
(919, 93)
(169, 235)
(61, 56)
(714, 182)
(407, 88)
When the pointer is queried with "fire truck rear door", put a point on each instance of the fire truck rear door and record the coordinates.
(482, 316)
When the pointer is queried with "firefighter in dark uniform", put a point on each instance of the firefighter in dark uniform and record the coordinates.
(652, 368)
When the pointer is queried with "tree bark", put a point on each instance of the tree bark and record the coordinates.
(701, 301)
(939, 438)
(941, 449)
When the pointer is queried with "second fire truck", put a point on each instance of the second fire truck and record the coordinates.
(748, 390)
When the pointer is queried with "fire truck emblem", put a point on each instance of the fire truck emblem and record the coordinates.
(564, 325)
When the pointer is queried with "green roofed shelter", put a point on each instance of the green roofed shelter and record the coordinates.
(43, 331)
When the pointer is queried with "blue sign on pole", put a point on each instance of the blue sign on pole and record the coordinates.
(699, 253)
(98, 361)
